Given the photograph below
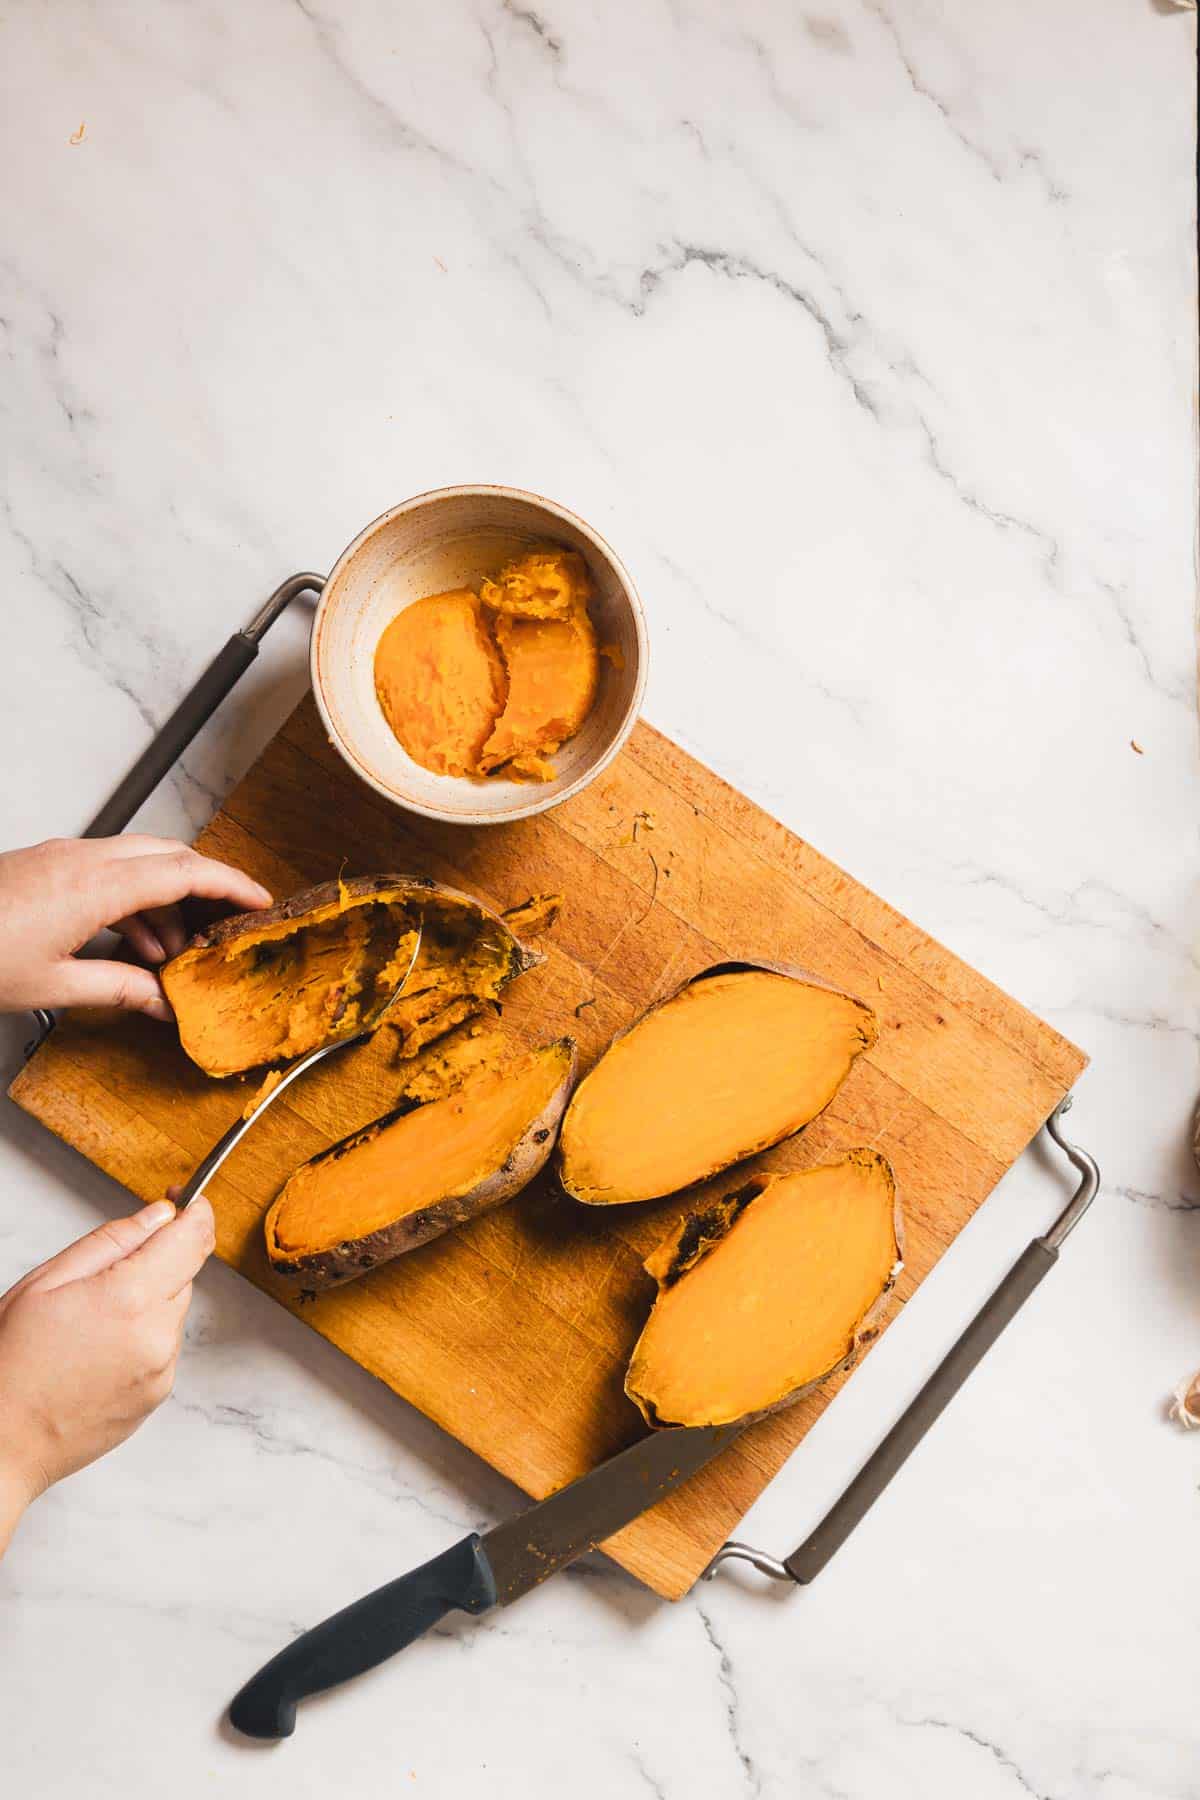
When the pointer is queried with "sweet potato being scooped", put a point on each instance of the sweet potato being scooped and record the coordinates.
(738, 1059)
(267, 986)
(420, 1170)
(767, 1293)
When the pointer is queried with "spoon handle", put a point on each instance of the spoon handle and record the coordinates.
(224, 1145)
(228, 1142)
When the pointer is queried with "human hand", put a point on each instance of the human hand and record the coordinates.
(57, 895)
(88, 1343)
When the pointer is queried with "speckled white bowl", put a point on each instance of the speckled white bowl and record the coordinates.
(446, 539)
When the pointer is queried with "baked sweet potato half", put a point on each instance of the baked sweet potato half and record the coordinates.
(420, 1170)
(768, 1292)
(739, 1058)
(267, 986)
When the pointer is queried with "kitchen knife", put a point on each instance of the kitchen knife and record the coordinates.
(475, 1574)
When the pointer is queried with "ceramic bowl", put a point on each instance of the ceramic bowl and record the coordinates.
(447, 539)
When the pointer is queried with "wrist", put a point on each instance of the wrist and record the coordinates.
(16, 1493)
(22, 1478)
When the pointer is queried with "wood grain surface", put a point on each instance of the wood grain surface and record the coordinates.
(513, 1333)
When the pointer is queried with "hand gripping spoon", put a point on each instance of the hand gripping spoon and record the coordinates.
(196, 1182)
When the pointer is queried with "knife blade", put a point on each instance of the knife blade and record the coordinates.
(475, 1574)
(535, 1544)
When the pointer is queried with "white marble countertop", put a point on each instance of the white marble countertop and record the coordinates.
(866, 332)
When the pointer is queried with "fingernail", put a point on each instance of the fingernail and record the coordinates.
(266, 895)
(159, 1213)
(157, 1008)
(154, 949)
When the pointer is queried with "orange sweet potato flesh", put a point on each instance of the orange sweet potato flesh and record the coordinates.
(545, 583)
(440, 681)
(553, 670)
(768, 1293)
(422, 1169)
(279, 991)
(734, 1062)
(539, 608)
(266, 987)
(471, 686)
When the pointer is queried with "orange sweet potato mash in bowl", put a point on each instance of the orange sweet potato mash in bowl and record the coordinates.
(478, 655)
(472, 683)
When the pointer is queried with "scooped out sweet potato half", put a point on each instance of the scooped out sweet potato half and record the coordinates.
(420, 1170)
(738, 1059)
(768, 1292)
(264, 987)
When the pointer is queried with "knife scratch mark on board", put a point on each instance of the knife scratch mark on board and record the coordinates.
(573, 1372)
(598, 1290)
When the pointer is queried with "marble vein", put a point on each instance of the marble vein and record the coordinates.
(534, 23)
(241, 1624)
(369, 102)
(752, 1780)
(639, 1764)
(840, 348)
(733, 266)
(268, 1439)
(741, 628)
(991, 1749)
(1047, 545)
(89, 615)
(996, 167)
(1094, 903)
(1177, 1202)
(1178, 691)
(768, 68)
(875, 360)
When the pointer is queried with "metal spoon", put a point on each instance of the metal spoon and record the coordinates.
(237, 1131)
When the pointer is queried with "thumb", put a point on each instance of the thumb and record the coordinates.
(86, 981)
(110, 1243)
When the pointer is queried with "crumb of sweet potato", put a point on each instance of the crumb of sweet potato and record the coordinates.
(533, 916)
(267, 1085)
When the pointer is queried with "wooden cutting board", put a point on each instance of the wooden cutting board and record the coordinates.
(514, 1333)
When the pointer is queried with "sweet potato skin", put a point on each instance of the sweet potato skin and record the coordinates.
(410, 888)
(870, 1031)
(417, 892)
(356, 1256)
(700, 1233)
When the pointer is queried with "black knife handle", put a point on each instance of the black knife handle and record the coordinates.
(363, 1635)
(1029, 1269)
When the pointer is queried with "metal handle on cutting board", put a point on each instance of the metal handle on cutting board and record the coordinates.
(172, 739)
(194, 710)
(1002, 1305)
(1039, 1257)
